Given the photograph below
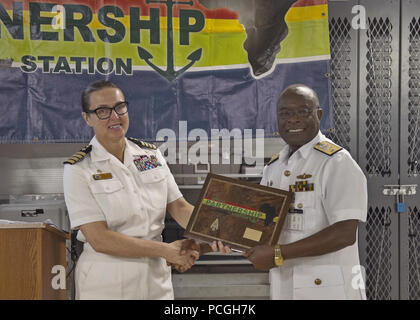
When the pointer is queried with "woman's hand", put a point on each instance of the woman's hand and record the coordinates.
(188, 247)
(181, 261)
(219, 246)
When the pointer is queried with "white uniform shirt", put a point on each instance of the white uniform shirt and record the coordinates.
(132, 201)
(339, 193)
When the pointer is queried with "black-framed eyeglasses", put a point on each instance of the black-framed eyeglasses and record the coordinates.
(301, 113)
(104, 112)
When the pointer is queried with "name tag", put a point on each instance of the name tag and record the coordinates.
(102, 176)
(295, 220)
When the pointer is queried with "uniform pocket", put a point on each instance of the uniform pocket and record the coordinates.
(300, 217)
(155, 187)
(305, 199)
(159, 279)
(82, 271)
(112, 200)
(152, 176)
(102, 281)
(324, 282)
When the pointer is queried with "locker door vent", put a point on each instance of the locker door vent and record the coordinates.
(341, 64)
(414, 99)
(378, 254)
(414, 253)
(379, 84)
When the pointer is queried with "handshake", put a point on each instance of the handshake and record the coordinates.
(187, 251)
(183, 253)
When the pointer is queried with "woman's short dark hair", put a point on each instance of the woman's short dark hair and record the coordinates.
(95, 86)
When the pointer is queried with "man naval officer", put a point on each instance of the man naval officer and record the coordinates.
(317, 252)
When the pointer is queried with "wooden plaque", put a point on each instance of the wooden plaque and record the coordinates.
(241, 214)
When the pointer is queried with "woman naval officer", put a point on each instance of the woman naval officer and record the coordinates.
(117, 191)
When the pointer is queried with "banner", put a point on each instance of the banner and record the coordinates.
(216, 64)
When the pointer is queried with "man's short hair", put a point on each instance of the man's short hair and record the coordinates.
(95, 86)
(299, 89)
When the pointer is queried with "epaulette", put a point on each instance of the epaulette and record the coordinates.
(142, 144)
(79, 156)
(327, 147)
(273, 158)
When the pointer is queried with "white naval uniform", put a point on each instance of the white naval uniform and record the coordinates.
(340, 193)
(132, 202)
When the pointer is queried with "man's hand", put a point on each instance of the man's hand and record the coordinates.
(262, 257)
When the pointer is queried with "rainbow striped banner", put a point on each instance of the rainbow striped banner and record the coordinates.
(174, 60)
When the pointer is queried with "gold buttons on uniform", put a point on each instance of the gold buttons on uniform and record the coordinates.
(300, 206)
(287, 173)
(318, 281)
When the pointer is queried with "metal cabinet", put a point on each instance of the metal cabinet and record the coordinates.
(375, 75)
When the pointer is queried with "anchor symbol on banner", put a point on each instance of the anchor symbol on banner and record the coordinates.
(170, 72)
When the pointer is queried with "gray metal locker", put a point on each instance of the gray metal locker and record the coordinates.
(375, 75)
(410, 148)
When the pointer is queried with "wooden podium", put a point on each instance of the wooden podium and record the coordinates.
(28, 253)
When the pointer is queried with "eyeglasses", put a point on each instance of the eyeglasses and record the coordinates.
(104, 112)
(301, 113)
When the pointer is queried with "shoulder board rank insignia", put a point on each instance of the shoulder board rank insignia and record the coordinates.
(142, 144)
(273, 158)
(327, 147)
(79, 156)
